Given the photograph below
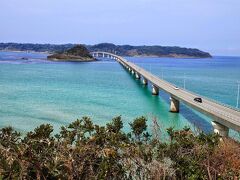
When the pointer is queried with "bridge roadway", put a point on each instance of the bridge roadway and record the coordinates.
(223, 116)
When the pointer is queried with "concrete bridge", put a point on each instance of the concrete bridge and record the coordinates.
(223, 117)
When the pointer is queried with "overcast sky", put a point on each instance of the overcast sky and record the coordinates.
(210, 25)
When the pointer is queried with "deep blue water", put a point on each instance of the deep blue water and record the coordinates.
(37, 91)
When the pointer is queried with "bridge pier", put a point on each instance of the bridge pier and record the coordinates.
(137, 75)
(132, 71)
(220, 129)
(155, 90)
(144, 81)
(174, 105)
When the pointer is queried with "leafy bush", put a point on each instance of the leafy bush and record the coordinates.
(83, 150)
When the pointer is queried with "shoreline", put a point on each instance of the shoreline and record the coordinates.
(70, 60)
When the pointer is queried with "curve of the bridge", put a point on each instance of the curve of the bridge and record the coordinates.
(220, 113)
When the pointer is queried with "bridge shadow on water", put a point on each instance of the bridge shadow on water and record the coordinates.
(195, 119)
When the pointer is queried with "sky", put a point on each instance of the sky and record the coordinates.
(209, 25)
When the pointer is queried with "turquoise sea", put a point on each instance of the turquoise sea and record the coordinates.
(37, 91)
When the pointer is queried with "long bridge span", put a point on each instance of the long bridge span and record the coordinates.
(223, 117)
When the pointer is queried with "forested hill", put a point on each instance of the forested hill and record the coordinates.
(122, 50)
(158, 51)
(50, 48)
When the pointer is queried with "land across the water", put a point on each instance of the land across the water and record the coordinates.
(121, 50)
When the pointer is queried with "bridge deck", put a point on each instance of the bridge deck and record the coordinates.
(218, 112)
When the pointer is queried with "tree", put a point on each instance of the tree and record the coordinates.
(138, 126)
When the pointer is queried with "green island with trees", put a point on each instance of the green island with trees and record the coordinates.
(84, 150)
(76, 53)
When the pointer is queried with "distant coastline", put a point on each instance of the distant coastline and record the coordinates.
(24, 51)
(122, 50)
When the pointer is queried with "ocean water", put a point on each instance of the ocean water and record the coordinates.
(37, 91)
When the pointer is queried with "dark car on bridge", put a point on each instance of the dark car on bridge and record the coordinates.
(198, 99)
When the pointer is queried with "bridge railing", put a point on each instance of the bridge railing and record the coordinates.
(213, 100)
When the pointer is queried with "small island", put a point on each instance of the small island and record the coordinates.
(78, 53)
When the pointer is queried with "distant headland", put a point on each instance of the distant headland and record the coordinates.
(122, 50)
(150, 51)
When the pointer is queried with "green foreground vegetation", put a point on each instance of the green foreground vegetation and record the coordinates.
(83, 150)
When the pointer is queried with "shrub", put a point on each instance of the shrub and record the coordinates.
(83, 150)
